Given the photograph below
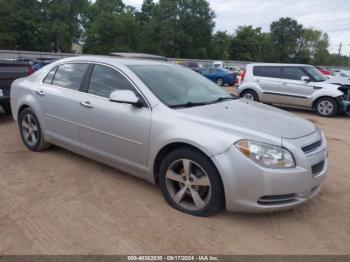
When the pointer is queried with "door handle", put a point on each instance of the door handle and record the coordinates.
(284, 83)
(86, 104)
(40, 92)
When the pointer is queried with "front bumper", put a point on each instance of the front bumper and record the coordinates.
(252, 188)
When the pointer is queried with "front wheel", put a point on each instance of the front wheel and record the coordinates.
(30, 129)
(190, 183)
(326, 107)
(249, 95)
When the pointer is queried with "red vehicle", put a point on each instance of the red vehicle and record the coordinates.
(324, 71)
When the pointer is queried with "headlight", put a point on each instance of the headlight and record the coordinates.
(266, 155)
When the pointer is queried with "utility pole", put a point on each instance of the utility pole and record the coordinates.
(340, 47)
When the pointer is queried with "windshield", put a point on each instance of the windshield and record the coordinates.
(315, 74)
(177, 86)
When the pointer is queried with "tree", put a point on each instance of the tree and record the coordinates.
(220, 46)
(19, 25)
(182, 28)
(285, 34)
(251, 44)
(63, 21)
(112, 27)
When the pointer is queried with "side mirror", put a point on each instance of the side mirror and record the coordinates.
(305, 79)
(126, 97)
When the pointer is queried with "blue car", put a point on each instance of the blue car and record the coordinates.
(220, 76)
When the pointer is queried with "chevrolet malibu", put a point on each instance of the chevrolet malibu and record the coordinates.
(166, 124)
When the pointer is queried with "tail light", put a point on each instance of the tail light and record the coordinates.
(243, 75)
(30, 70)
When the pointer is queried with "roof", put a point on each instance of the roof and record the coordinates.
(140, 56)
(114, 60)
(277, 64)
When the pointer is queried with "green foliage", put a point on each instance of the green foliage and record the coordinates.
(173, 28)
(220, 46)
(251, 44)
(46, 25)
(112, 27)
(285, 34)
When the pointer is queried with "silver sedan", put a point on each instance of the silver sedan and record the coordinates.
(204, 148)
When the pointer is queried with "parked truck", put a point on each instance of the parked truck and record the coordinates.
(10, 71)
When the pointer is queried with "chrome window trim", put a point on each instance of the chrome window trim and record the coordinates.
(95, 63)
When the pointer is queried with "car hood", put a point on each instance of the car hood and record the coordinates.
(250, 117)
(338, 80)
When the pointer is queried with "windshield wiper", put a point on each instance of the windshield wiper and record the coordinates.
(189, 104)
(221, 99)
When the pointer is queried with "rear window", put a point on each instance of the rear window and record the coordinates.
(267, 71)
(49, 77)
(70, 75)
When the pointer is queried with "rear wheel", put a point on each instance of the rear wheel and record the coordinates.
(30, 129)
(220, 82)
(326, 107)
(7, 108)
(250, 95)
(190, 183)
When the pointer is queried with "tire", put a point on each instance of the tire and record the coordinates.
(326, 107)
(30, 130)
(250, 95)
(182, 191)
(7, 108)
(220, 81)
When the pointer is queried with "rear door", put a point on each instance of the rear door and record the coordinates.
(59, 96)
(114, 132)
(268, 78)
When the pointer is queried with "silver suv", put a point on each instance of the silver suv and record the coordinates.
(293, 85)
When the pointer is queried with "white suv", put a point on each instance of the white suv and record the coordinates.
(294, 85)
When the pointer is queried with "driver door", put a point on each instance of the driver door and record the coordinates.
(296, 92)
(113, 132)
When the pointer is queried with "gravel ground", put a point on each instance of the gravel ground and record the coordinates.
(56, 202)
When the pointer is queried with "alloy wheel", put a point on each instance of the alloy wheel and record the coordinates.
(30, 130)
(188, 184)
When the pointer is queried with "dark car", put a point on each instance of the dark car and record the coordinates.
(220, 76)
(191, 65)
(10, 71)
(39, 63)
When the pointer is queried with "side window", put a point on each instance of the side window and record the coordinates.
(267, 71)
(105, 80)
(49, 77)
(292, 73)
(70, 75)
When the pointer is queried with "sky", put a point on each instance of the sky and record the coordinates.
(330, 16)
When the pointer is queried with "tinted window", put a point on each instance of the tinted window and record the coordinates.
(105, 80)
(267, 71)
(293, 73)
(49, 77)
(70, 75)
